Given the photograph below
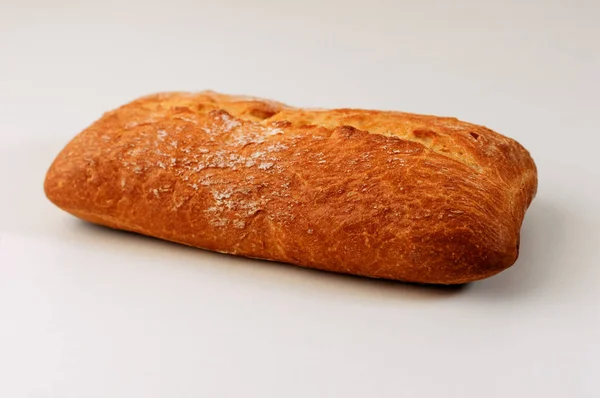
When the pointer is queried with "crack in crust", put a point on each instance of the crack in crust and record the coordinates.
(474, 146)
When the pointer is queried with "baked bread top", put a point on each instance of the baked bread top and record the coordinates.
(376, 193)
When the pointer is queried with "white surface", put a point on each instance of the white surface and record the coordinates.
(86, 312)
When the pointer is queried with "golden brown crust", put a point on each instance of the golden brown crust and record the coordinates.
(380, 194)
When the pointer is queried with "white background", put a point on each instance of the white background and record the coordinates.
(86, 312)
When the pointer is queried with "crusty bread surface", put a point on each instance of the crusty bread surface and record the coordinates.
(374, 193)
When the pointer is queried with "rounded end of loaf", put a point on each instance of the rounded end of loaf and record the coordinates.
(51, 186)
(459, 258)
(60, 181)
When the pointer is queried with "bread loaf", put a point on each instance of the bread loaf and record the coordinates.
(379, 194)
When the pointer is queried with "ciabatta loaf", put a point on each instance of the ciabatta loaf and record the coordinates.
(380, 194)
